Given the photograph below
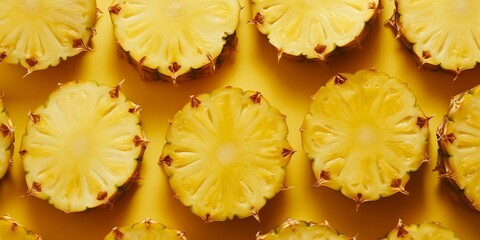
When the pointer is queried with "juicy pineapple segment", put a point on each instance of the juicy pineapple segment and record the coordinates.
(298, 230)
(226, 153)
(12, 230)
(6, 140)
(83, 147)
(441, 33)
(365, 133)
(314, 29)
(424, 231)
(145, 230)
(457, 135)
(39, 33)
(174, 40)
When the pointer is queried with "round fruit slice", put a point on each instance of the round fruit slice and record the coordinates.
(174, 40)
(424, 231)
(442, 34)
(314, 29)
(12, 230)
(226, 153)
(458, 158)
(83, 147)
(299, 229)
(7, 138)
(145, 230)
(365, 133)
(38, 34)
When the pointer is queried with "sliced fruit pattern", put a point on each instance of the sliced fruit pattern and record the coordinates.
(7, 139)
(12, 230)
(424, 231)
(145, 230)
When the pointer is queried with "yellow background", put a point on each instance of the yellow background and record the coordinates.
(287, 85)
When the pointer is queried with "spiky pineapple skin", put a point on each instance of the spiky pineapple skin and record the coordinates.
(423, 231)
(12, 230)
(147, 229)
(7, 139)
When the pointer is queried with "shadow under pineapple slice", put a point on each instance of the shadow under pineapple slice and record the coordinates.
(300, 229)
(365, 132)
(12, 230)
(38, 34)
(458, 157)
(226, 154)
(175, 40)
(424, 231)
(7, 138)
(441, 34)
(314, 30)
(83, 147)
(145, 230)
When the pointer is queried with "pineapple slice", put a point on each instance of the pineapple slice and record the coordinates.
(458, 159)
(442, 34)
(314, 29)
(7, 138)
(174, 40)
(83, 147)
(145, 230)
(226, 153)
(365, 133)
(424, 231)
(12, 230)
(298, 230)
(39, 33)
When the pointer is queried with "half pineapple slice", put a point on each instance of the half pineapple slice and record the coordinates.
(441, 33)
(459, 159)
(424, 231)
(298, 229)
(7, 138)
(226, 153)
(365, 133)
(38, 34)
(12, 230)
(314, 29)
(145, 230)
(83, 147)
(174, 40)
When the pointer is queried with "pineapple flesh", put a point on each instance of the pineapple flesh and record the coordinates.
(299, 229)
(441, 33)
(458, 159)
(314, 29)
(145, 230)
(174, 40)
(424, 231)
(83, 147)
(7, 139)
(12, 230)
(38, 34)
(365, 132)
(226, 154)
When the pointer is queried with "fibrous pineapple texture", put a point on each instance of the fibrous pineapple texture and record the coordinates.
(83, 147)
(7, 139)
(365, 132)
(145, 230)
(424, 231)
(226, 153)
(38, 34)
(299, 229)
(12, 230)
(174, 40)
(314, 29)
(442, 34)
(458, 159)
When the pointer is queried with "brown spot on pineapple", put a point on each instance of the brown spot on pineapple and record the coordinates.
(117, 233)
(359, 200)
(36, 187)
(115, 9)
(372, 5)
(258, 19)
(166, 160)
(397, 183)
(287, 152)
(256, 98)
(137, 140)
(147, 222)
(115, 92)
(173, 68)
(194, 101)
(325, 175)
(22, 152)
(31, 61)
(34, 117)
(450, 137)
(3, 55)
(134, 109)
(423, 121)
(102, 195)
(207, 218)
(79, 44)
(320, 49)
(14, 226)
(340, 79)
(5, 130)
(401, 232)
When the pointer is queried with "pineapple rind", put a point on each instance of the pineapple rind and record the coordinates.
(254, 135)
(7, 139)
(297, 28)
(458, 161)
(12, 230)
(424, 231)
(300, 229)
(145, 230)
(363, 135)
(45, 30)
(83, 146)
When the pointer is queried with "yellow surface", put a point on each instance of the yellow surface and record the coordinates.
(288, 86)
